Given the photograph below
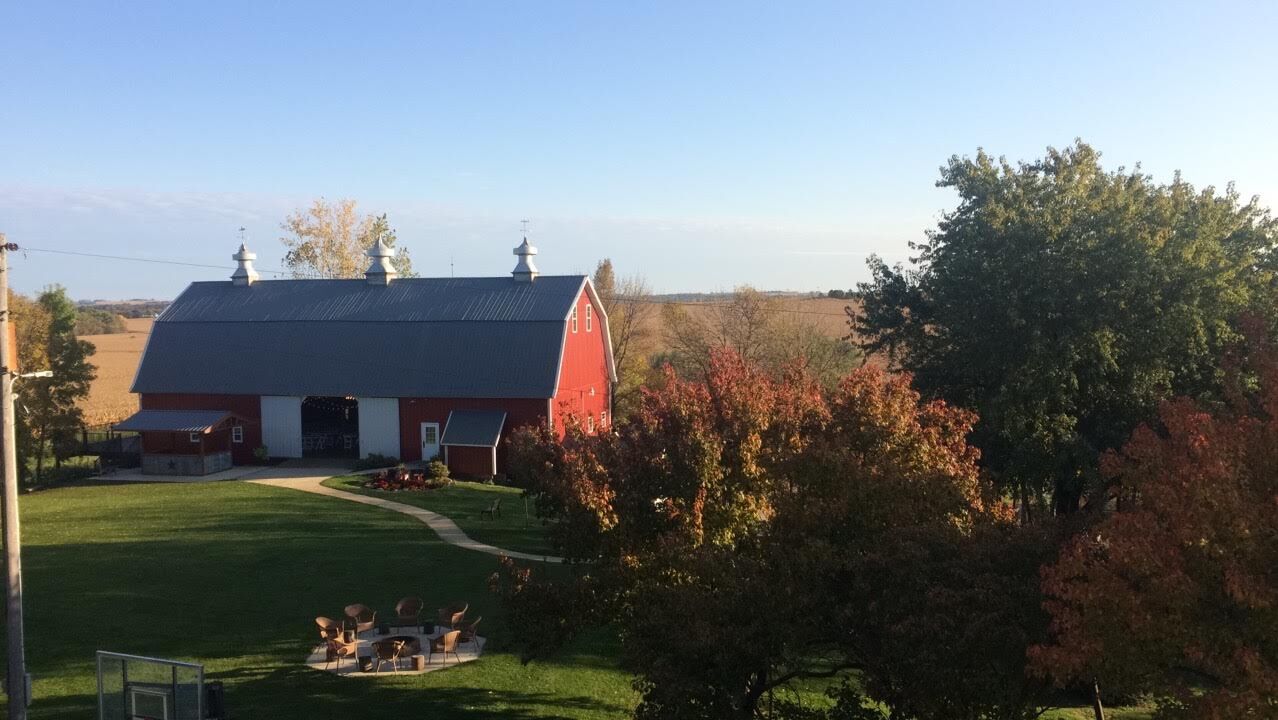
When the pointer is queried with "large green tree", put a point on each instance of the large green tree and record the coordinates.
(1063, 302)
(49, 419)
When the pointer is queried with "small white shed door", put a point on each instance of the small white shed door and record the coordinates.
(379, 427)
(430, 440)
(282, 425)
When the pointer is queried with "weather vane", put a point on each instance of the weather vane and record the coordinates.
(524, 223)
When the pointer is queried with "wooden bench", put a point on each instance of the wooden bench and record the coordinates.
(493, 511)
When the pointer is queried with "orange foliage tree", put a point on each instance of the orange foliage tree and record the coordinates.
(749, 532)
(1176, 592)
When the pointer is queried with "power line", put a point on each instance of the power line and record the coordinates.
(151, 260)
(180, 263)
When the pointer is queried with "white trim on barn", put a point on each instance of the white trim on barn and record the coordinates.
(379, 427)
(282, 425)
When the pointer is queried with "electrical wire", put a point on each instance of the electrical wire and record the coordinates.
(289, 273)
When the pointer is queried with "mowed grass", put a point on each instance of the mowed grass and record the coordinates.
(231, 575)
(462, 502)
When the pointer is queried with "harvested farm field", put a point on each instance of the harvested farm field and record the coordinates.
(116, 357)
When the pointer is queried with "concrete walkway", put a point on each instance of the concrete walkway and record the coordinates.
(311, 480)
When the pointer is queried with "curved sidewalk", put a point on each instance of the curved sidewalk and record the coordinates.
(446, 529)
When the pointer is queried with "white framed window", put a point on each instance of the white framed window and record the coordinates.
(574, 318)
(603, 419)
(237, 434)
(195, 437)
(590, 311)
(590, 423)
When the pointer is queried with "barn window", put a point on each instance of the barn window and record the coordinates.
(574, 318)
(603, 419)
(590, 423)
(589, 313)
(237, 434)
(195, 437)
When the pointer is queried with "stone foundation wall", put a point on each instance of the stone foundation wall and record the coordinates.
(186, 464)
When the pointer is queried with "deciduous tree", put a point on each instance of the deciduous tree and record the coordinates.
(757, 327)
(1176, 593)
(750, 534)
(49, 419)
(330, 240)
(1063, 302)
(628, 302)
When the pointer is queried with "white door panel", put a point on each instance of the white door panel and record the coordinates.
(282, 425)
(379, 427)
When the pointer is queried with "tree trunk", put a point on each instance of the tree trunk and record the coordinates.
(1097, 708)
(39, 461)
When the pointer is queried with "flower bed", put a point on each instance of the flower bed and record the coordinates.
(398, 479)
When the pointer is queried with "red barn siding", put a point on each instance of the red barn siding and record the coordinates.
(248, 407)
(473, 462)
(415, 411)
(584, 368)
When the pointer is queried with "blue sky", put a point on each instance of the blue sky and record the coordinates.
(701, 144)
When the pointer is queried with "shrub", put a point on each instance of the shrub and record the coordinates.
(261, 454)
(374, 461)
(437, 470)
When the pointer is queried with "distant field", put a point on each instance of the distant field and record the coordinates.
(116, 357)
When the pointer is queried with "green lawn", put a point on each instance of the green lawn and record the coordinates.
(232, 574)
(462, 502)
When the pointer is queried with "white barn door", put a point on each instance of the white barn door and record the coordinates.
(379, 427)
(282, 425)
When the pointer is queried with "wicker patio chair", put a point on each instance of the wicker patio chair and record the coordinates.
(335, 649)
(361, 617)
(408, 612)
(329, 629)
(452, 616)
(470, 634)
(444, 644)
(387, 651)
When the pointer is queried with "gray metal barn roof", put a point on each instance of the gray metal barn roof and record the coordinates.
(476, 428)
(417, 337)
(173, 420)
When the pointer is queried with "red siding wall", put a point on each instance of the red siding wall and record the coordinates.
(585, 368)
(248, 407)
(415, 411)
(473, 461)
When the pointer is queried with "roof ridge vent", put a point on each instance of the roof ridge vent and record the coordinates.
(245, 274)
(525, 270)
(381, 270)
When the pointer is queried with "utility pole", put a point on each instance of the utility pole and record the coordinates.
(16, 685)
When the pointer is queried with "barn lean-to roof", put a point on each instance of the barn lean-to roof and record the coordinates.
(416, 337)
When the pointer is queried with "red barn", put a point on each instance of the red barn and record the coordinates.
(410, 368)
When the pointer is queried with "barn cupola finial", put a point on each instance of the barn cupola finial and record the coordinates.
(525, 270)
(244, 274)
(381, 270)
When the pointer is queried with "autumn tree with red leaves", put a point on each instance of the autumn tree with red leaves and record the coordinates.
(750, 532)
(1176, 593)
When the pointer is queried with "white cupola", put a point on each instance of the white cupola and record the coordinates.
(381, 270)
(244, 274)
(525, 270)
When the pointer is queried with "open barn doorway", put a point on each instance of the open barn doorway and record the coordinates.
(330, 427)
